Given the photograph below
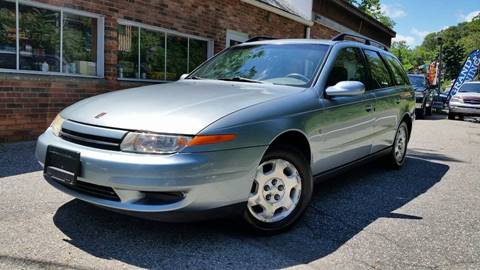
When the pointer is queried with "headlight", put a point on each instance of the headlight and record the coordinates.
(153, 143)
(457, 99)
(57, 125)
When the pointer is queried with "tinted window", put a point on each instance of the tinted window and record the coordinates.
(470, 87)
(417, 81)
(286, 64)
(177, 55)
(348, 66)
(79, 44)
(127, 52)
(8, 46)
(380, 76)
(397, 70)
(40, 41)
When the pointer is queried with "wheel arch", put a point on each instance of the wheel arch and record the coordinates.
(295, 138)
(407, 118)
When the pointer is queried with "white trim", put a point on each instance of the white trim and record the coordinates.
(166, 32)
(58, 8)
(50, 73)
(139, 54)
(235, 36)
(101, 47)
(17, 34)
(161, 29)
(61, 41)
(279, 12)
(100, 39)
(142, 80)
(188, 55)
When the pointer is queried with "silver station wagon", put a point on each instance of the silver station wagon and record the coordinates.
(245, 133)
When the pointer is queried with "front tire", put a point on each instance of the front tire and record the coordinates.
(397, 157)
(420, 113)
(429, 111)
(281, 191)
(451, 116)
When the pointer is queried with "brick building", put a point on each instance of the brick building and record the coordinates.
(54, 53)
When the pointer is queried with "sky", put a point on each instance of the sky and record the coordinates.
(417, 18)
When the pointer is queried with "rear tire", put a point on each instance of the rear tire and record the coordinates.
(429, 111)
(397, 157)
(281, 191)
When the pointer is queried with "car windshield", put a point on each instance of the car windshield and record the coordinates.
(470, 87)
(417, 81)
(284, 64)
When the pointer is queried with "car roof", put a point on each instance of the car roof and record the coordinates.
(290, 41)
(472, 82)
(416, 75)
(314, 41)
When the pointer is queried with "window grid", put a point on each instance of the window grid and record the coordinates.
(166, 32)
(100, 25)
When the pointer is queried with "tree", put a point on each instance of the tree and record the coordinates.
(404, 54)
(374, 9)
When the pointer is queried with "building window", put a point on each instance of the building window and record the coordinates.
(152, 53)
(39, 38)
(234, 37)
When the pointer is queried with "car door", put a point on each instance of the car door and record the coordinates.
(345, 123)
(388, 98)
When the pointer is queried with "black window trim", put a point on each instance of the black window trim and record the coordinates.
(392, 81)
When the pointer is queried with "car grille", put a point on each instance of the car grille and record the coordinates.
(91, 140)
(92, 190)
(475, 101)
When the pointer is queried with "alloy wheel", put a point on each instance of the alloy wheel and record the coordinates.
(276, 191)
(401, 144)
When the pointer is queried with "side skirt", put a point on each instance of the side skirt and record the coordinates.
(346, 167)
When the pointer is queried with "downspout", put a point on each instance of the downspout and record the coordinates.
(307, 32)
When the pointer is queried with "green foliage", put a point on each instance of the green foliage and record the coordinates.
(373, 8)
(458, 42)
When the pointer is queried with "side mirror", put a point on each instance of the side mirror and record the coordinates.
(346, 88)
(183, 77)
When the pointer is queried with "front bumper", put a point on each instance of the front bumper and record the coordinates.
(208, 180)
(465, 109)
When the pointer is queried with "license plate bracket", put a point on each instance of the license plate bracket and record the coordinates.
(62, 165)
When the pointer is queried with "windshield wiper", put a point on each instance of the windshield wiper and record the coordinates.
(240, 79)
(195, 78)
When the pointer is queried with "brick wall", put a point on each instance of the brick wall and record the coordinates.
(28, 103)
(318, 31)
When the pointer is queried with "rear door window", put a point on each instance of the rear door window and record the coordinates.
(380, 75)
(397, 70)
(348, 66)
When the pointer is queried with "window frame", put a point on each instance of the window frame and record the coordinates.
(100, 40)
(386, 58)
(372, 80)
(166, 32)
(362, 59)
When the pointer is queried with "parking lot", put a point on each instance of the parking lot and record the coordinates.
(425, 216)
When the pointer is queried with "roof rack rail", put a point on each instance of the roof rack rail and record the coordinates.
(366, 41)
(260, 38)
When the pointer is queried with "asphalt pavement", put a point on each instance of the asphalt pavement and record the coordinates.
(424, 216)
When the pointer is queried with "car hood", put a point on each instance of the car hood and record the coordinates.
(472, 95)
(183, 107)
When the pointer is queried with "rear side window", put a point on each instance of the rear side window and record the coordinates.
(348, 66)
(397, 70)
(380, 76)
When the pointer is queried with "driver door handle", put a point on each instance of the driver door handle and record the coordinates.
(369, 108)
